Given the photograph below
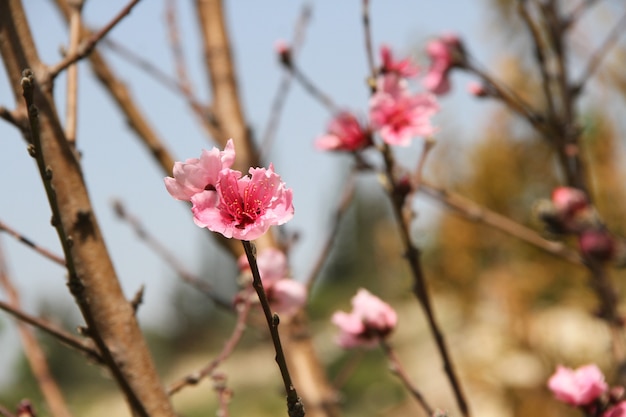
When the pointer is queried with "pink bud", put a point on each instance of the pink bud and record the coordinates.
(597, 244)
(477, 89)
(568, 200)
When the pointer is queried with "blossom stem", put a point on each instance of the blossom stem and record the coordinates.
(294, 403)
(398, 369)
(413, 257)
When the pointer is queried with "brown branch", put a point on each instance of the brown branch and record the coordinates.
(596, 58)
(81, 345)
(295, 407)
(89, 44)
(39, 249)
(5, 412)
(33, 351)
(344, 203)
(477, 213)
(413, 257)
(194, 378)
(92, 278)
(369, 50)
(398, 369)
(72, 73)
(169, 258)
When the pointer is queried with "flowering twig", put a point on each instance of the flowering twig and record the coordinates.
(398, 369)
(165, 254)
(278, 102)
(89, 44)
(295, 407)
(33, 350)
(39, 249)
(194, 378)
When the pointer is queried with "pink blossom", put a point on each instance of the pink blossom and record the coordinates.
(344, 134)
(287, 296)
(619, 410)
(403, 68)
(441, 53)
(577, 387)
(247, 206)
(272, 264)
(370, 321)
(199, 175)
(398, 115)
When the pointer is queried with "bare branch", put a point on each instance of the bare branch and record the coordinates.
(89, 44)
(72, 73)
(194, 378)
(41, 250)
(33, 350)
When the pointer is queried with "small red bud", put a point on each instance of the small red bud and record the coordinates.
(597, 244)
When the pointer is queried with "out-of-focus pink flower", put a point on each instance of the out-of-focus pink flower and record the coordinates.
(199, 175)
(285, 295)
(247, 206)
(404, 68)
(25, 409)
(272, 264)
(370, 321)
(619, 410)
(578, 387)
(398, 115)
(441, 52)
(345, 133)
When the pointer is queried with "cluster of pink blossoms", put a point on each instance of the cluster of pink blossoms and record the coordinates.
(395, 113)
(586, 388)
(224, 201)
(285, 295)
(370, 321)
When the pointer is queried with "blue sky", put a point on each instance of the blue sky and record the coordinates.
(116, 165)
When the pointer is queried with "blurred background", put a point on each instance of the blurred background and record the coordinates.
(510, 312)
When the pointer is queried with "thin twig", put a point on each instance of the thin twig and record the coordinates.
(344, 203)
(269, 133)
(224, 394)
(18, 120)
(72, 72)
(599, 54)
(33, 350)
(367, 30)
(89, 44)
(477, 213)
(578, 12)
(194, 378)
(398, 369)
(39, 249)
(81, 345)
(295, 407)
(167, 256)
(413, 257)
(5, 412)
(206, 118)
(312, 89)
